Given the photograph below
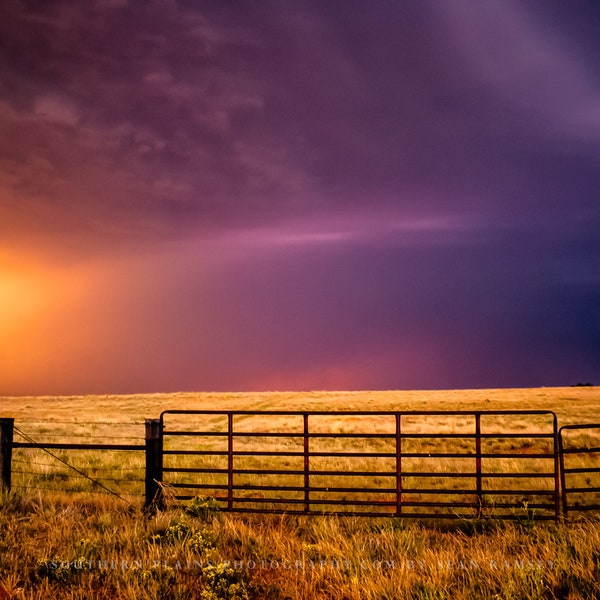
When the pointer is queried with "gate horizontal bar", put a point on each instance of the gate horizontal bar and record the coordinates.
(358, 413)
(581, 450)
(583, 470)
(358, 454)
(358, 435)
(443, 475)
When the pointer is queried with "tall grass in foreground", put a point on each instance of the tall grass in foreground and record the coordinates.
(68, 548)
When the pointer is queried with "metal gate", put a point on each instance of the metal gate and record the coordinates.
(442, 464)
(580, 468)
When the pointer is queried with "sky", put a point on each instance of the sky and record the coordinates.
(303, 195)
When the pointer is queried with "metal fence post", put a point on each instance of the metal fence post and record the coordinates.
(398, 464)
(6, 441)
(154, 464)
(478, 463)
(306, 464)
(229, 460)
(559, 466)
(563, 477)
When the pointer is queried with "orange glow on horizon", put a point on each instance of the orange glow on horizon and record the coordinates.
(75, 325)
(18, 299)
(30, 299)
(42, 321)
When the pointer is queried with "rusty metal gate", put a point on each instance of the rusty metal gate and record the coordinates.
(580, 468)
(442, 464)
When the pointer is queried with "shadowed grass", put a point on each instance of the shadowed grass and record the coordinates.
(58, 548)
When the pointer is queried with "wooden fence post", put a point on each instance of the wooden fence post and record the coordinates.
(6, 441)
(154, 464)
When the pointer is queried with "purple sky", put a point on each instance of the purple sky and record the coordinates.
(298, 195)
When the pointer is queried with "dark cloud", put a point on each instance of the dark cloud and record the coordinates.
(146, 108)
(411, 183)
(221, 112)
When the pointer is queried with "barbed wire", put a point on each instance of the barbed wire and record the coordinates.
(55, 475)
(121, 479)
(52, 422)
(30, 462)
(94, 481)
(39, 464)
(52, 489)
(64, 476)
(87, 435)
(118, 469)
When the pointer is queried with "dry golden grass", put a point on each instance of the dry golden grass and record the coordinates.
(77, 546)
(571, 404)
(119, 419)
(65, 549)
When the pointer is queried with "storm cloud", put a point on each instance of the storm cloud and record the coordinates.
(238, 196)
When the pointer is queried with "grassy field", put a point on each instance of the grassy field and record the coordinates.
(120, 419)
(82, 545)
(571, 404)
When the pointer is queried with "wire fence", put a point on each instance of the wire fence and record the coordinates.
(450, 464)
(73, 467)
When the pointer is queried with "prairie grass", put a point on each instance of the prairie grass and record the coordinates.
(571, 404)
(78, 545)
(67, 548)
(120, 419)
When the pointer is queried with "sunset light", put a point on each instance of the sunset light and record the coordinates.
(299, 299)
(202, 196)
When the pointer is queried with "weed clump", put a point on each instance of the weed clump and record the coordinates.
(202, 507)
(223, 582)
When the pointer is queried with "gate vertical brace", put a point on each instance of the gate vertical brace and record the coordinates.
(306, 465)
(154, 464)
(6, 441)
(563, 477)
(398, 465)
(229, 460)
(478, 463)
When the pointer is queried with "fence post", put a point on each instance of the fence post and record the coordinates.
(478, 463)
(6, 440)
(560, 481)
(306, 464)
(398, 464)
(229, 460)
(154, 464)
